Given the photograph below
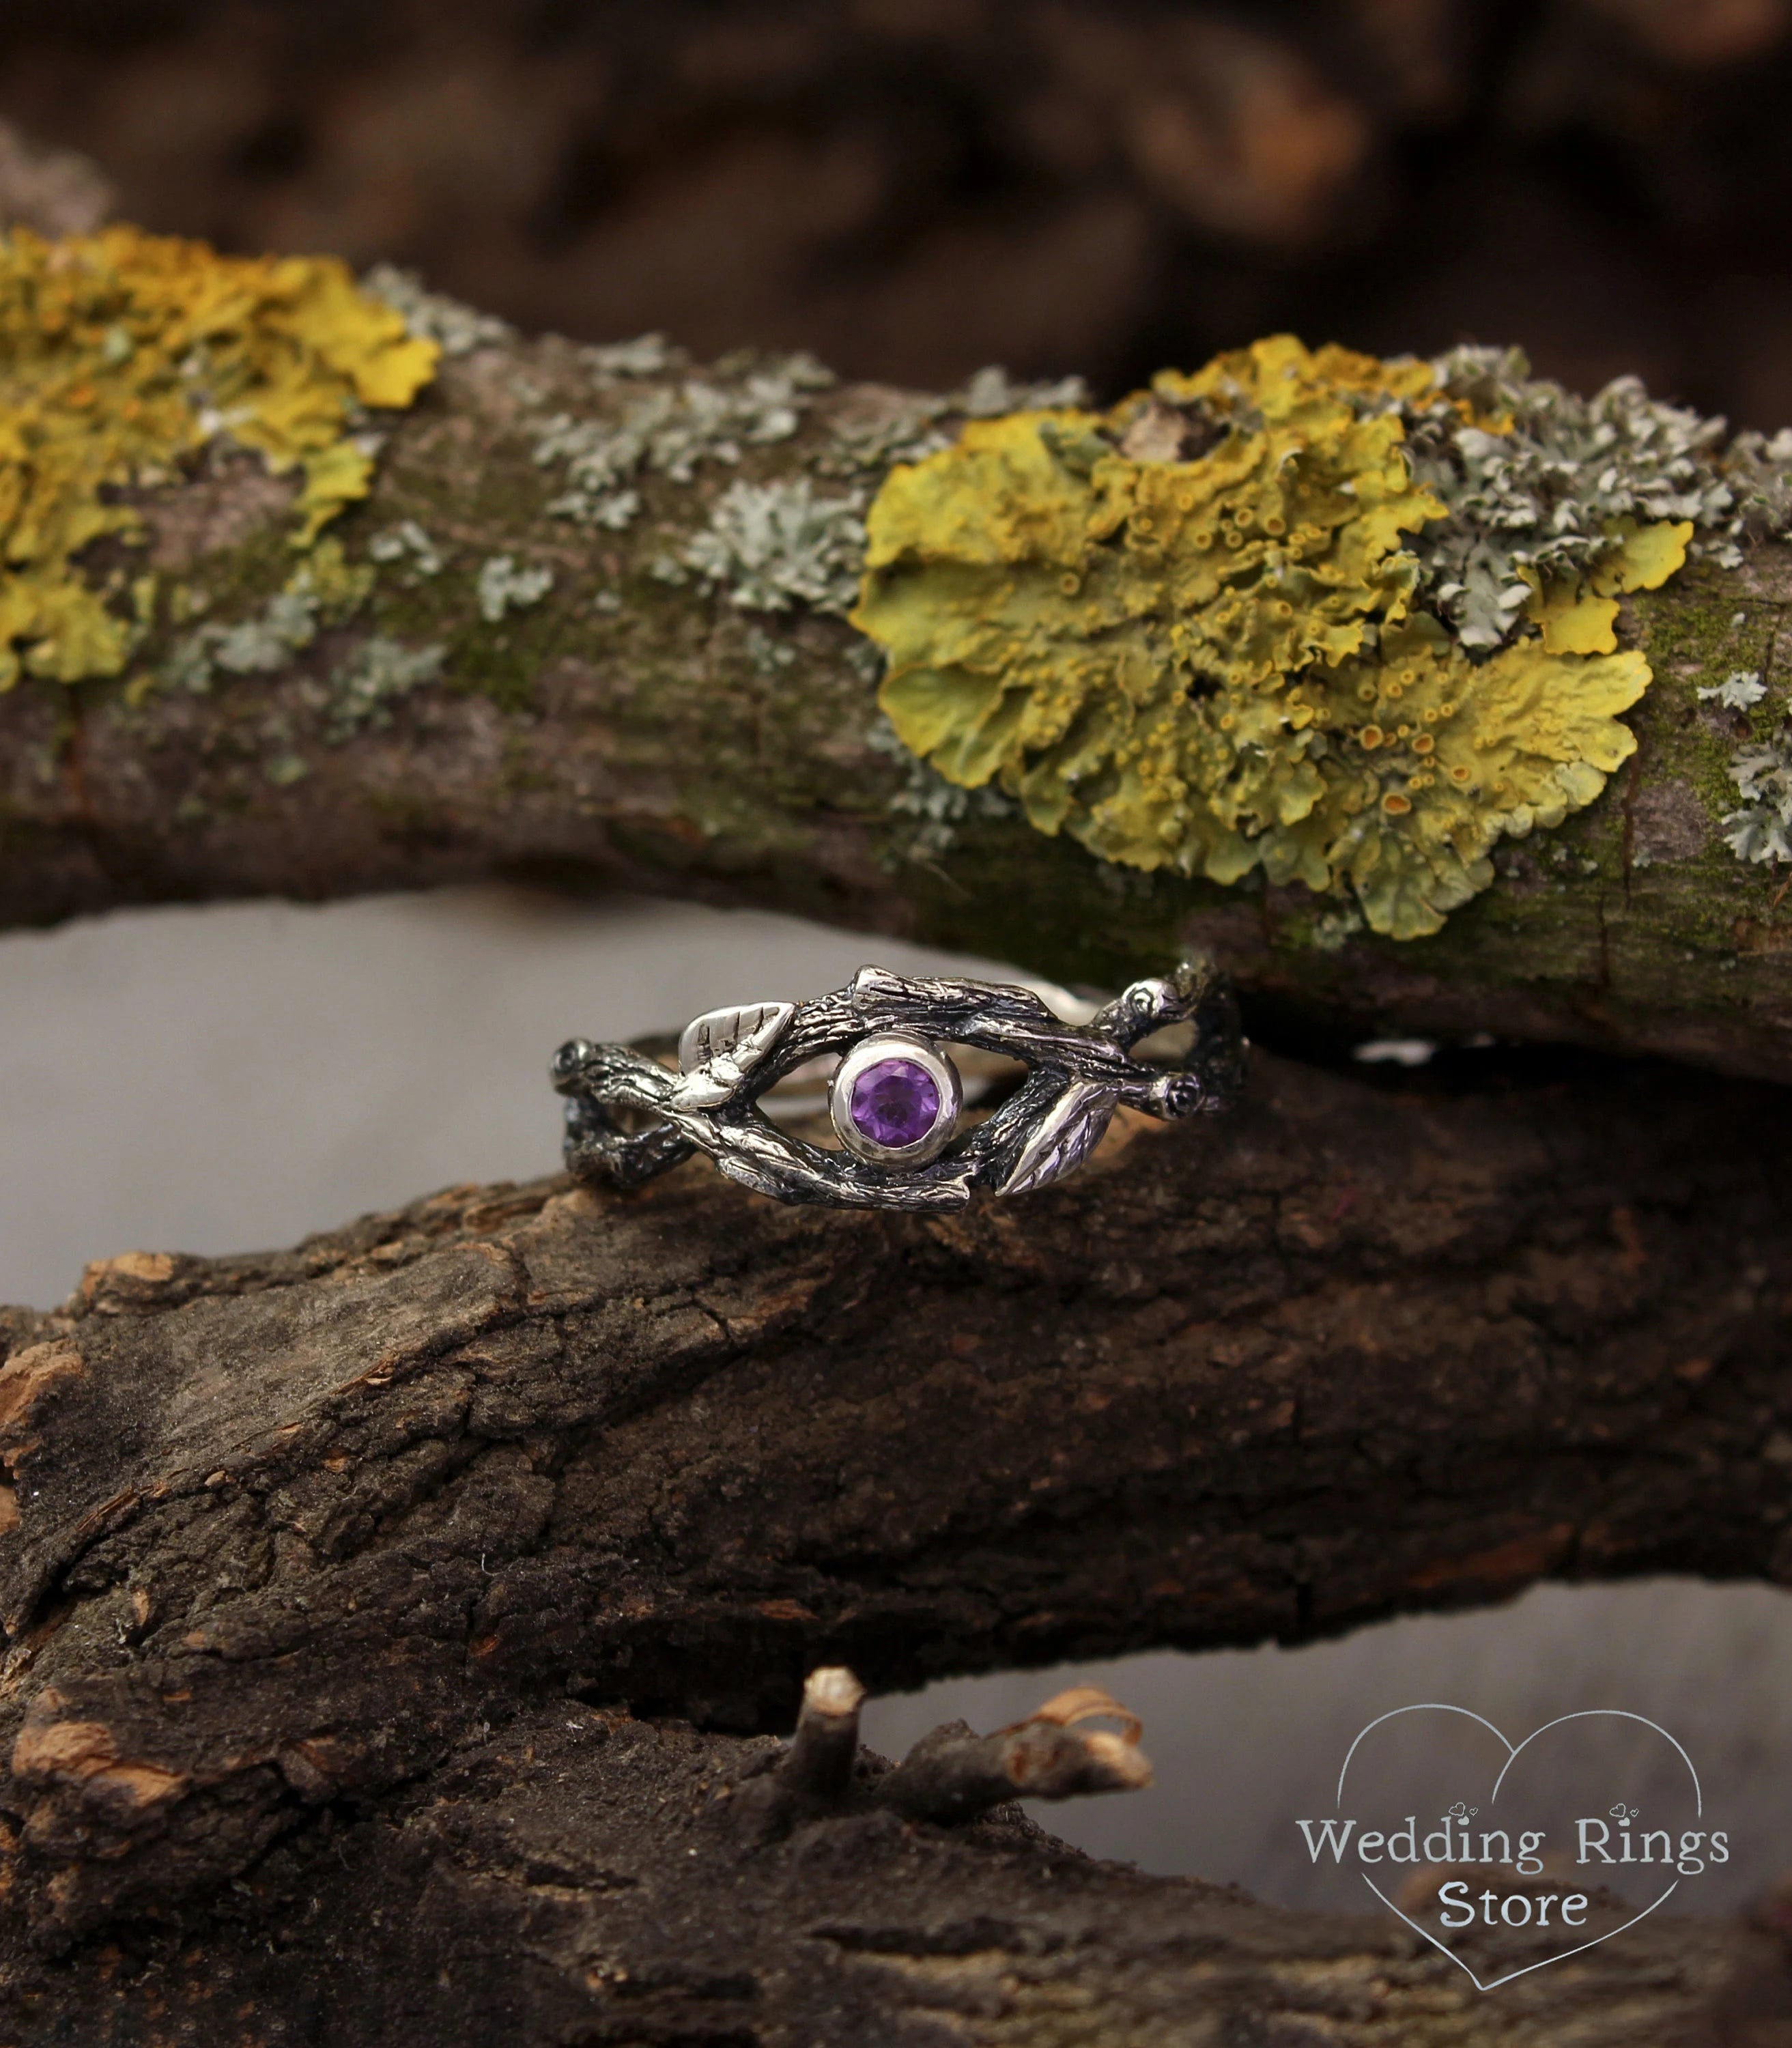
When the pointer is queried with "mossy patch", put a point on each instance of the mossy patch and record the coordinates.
(123, 353)
(504, 661)
(1188, 633)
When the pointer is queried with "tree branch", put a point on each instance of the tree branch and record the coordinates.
(396, 1624)
(621, 727)
(316, 1556)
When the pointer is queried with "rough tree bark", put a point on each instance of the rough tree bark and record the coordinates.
(627, 728)
(397, 1622)
(400, 1627)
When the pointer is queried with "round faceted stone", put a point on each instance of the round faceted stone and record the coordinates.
(895, 1103)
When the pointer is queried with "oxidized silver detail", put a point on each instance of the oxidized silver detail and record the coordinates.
(628, 1117)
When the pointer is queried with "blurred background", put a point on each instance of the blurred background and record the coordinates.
(911, 188)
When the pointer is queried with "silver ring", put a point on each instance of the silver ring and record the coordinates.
(1052, 1080)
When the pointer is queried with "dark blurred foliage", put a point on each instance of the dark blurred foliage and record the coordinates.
(913, 188)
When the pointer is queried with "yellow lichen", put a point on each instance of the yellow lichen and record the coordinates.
(120, 355)
(1572, 621)
(1578, 618)
(1214, 663)
(1642, 557)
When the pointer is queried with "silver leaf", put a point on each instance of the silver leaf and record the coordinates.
(1069, 1132)
(717, 1050)
(707, 1038)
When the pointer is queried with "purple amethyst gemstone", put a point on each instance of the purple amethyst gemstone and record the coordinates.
(895, 1103)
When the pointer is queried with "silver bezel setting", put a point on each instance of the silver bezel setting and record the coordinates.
(896, 1046)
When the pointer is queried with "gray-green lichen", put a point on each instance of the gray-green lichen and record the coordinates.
(990, 391)
(1762, 771)
(255, 646)
(503, 588)
(1544, 496)
(901, 433)
(323, 589)
(644, 356)
(770, 546)
(407, 543)
(668, 431)
(362, 689)
(457, 329)
(1536, 482)
(1738, 690)
(326, 589)
(938, 807)
(769, 657)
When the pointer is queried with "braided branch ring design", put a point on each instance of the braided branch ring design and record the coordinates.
(895, 1098)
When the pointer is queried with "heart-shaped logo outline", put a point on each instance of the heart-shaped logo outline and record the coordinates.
(1513, 1752)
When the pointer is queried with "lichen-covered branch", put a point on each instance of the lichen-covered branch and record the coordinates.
(587, 624)
(347, 1589)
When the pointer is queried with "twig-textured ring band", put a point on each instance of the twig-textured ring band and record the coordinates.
(896, 1096)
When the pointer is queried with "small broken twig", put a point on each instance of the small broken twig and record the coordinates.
(818, 1770)
(952, 1776)
(815, 1773)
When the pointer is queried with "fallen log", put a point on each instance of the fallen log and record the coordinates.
(596, 685)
